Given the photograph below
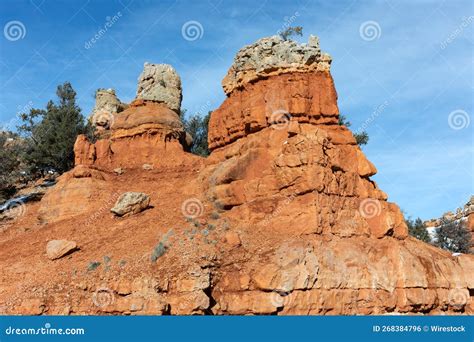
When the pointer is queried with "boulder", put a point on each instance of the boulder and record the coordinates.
(232, 239)
(56, 249)
(131, 203)
(160, 83)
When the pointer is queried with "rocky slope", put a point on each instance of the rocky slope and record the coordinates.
(282, 218)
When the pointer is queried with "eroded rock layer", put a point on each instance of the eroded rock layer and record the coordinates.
(146, 132)
(296, 97)
(282, 218)
(274, 56)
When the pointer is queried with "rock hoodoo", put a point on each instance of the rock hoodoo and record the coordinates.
(274, 56)
(160, 83)
(107, 105)
(147, 131)
(281, 218)
(151, 121)
(293, 83)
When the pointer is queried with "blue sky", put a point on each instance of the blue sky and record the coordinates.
(403, 70)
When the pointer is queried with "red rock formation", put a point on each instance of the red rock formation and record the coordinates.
(282, 218)
(146, 132)
(301, 97)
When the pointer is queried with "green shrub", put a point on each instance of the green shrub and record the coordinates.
(93, 265)
(52, 132)
(361, 138)
(418, 230)
(158, 251)
(291, 31)
(198, 126)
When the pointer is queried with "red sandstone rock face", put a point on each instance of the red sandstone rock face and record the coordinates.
(282, 218)
(145, 133)
(315, 181)
(301, 97)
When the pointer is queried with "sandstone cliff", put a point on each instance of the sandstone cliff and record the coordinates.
(282, 218)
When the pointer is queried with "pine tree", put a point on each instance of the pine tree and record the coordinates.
(52, 132)
(9, 164)
(361, 138)
(454, 236)
(418, 230)
(197, 126)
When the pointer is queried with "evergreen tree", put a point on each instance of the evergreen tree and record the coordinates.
(197, 126)
(10, 149)
(454, 236)
(361, 138)
(418, 230)
(52, 132)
